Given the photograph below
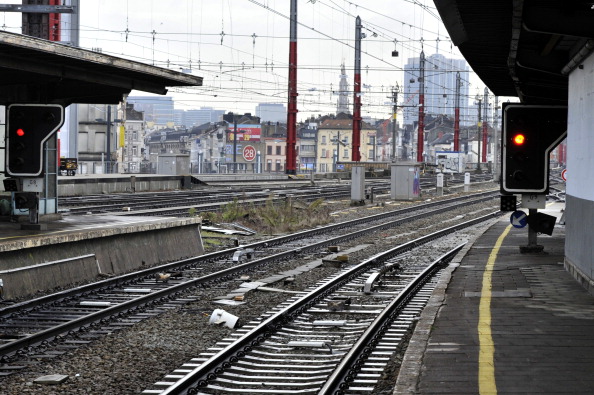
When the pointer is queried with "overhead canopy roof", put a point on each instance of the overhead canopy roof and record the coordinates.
(522, 48)
(34, 70)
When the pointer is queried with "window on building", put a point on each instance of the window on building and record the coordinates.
(323, 139)
(278, 150)
(345, 154)
(135, 150)
(324, 153)
(371, 140)
(269, 164)
(269, 150)
(278, 166)
(371, 154)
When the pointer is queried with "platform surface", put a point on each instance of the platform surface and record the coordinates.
(78, 227)
(502, 322)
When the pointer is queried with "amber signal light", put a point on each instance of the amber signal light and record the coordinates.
(519, 139)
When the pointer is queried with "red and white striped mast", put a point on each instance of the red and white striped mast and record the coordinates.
(291, 157)
(356, 155)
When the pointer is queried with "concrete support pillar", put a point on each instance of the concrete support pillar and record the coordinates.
(358, 185)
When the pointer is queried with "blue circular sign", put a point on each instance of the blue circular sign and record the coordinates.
(518, 219)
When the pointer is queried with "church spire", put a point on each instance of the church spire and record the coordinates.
(343, 93)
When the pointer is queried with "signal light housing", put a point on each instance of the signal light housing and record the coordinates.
(530, 133)
(28, 127)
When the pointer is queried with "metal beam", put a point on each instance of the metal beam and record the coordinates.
(37, 8)
(558, 18)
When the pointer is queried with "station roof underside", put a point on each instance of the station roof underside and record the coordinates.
(34, 70)
(522, 48)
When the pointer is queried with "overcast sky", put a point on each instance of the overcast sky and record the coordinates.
(240, 47)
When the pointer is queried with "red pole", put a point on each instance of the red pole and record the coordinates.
(356, 155)
(457, 115)
(54, 23)
(485, 121)
(291, 158)
(562, 153)
(421, 128)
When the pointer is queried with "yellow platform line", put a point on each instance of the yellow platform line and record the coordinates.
(486, 371)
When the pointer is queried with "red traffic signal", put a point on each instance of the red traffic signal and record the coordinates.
(530, 133)
(519, 139)
(28, 127)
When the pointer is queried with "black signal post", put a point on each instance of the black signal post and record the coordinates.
(28, 127)
(530, 133)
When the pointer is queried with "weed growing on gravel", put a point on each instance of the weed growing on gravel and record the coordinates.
(270, 218)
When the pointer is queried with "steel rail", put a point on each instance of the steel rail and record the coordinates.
(108, 312)
(214, 366)
(345, 371)
(181, 264)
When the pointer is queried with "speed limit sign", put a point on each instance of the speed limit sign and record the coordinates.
(249, 153)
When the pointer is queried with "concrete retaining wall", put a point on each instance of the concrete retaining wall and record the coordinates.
(40, 264)
(94, 184)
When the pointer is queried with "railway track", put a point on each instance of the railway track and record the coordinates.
(337, 338)
(179, 203)
(28, 326)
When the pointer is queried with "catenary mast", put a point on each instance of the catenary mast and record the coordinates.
(291, 160)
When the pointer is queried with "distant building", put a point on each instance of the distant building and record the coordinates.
(158, 110)
(307, 147)
(132, 152)
(276, 160)
(96, 127)
(440, 88)
(190, 118)
(170, 142)
(271, 112)
(335, 137)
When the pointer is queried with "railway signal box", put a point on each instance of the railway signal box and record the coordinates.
(530, 133)
(28, 127)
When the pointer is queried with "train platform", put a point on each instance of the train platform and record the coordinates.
(503, 322)
(83, 248)
(81, 227)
